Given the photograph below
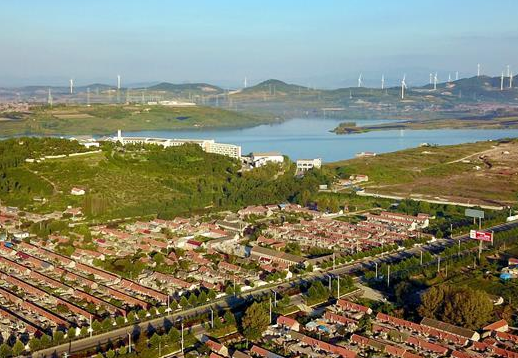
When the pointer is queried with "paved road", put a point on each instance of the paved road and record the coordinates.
(226, 302)
(432, 201)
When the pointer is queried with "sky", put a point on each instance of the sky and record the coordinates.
(322, 43)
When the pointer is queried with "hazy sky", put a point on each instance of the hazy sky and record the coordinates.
(321, 42)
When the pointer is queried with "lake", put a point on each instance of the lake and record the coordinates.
(311, 138)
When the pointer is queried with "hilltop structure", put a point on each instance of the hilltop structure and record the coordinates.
(208, 145)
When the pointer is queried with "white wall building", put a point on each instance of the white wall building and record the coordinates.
(208, 145)
(261, 158)
(307, 164)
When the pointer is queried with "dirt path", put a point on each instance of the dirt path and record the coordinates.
(471, 155)
(54, 189)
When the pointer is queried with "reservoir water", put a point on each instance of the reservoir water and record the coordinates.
(311, 138)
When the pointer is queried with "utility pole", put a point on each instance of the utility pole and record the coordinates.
(129, 342)
(376, 263)
(270, 310)
(91, 329)
(438, 264)
(334, 262)
(275, 298)
(459, 249)
(421, 252)
(388, 276)
(329, 280)
(451, 230)
(211, 318)
(182, 339)
(338, 295)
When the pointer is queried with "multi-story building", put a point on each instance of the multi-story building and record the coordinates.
(307, 164)
(208, 145)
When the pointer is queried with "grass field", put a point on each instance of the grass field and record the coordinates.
(477, 173)
(105, 119)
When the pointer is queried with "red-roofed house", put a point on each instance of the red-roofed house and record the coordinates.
(498, 326)
(288, 323)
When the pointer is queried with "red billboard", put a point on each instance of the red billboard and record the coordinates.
(481, 235)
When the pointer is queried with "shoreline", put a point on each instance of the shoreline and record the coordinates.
(500, 123)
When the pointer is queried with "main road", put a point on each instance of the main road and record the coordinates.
(234, 301)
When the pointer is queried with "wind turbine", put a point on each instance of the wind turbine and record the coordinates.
(511, 80)
(360, 80)
(403, 87)
(449, 77)
(382, 82)
(245, 83)
(435, 81)
(502, 81)
(456, 75)
(49, 98)
(431, 78)
(118, 82)
(478, 70)
(508, 69)
(71, 86)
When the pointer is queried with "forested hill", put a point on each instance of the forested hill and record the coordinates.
(140, 180)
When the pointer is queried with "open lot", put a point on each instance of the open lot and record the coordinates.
(475, 173)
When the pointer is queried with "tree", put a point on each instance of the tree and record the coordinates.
(212, 295)
(154, 340)
(123, 350)
(5, 351)
(183, 302)
(34, 344)
(45, 341)
(461, 306)
(18, 348)
(58, 336)
(193, 300)
(107, 323)
(119, 320)
(173, 334)
(229, 318)
(110, 354)
(202, 298)
(142, 314)
(255, 321)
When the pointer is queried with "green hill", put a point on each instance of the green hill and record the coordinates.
(139, 180)
(105, 119)
(273, 86)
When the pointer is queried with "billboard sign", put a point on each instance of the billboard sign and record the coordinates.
(472, 213)
(481, 235)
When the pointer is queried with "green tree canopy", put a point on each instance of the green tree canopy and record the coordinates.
(461, 306)
(255, 321)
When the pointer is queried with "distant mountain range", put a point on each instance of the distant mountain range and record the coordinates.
(483, 88)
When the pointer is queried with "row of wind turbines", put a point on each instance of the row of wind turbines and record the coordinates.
(71, 84)
(434, 80)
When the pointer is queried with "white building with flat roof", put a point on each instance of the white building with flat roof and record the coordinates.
(307, 164)
(261, 158)
(208, 145)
